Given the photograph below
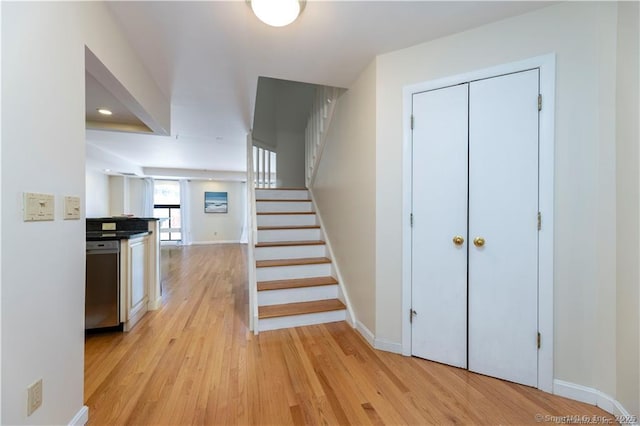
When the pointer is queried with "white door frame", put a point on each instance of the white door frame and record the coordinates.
(547, 66)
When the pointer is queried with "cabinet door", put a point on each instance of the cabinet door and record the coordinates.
(439, 265)
(138, 264)
(503, 209)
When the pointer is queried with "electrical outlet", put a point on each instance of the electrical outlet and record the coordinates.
(34, 397)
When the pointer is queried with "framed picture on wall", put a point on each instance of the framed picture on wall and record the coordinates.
(215, 202)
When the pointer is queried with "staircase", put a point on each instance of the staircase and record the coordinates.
(295, 277)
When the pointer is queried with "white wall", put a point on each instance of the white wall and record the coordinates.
(42, 315)
(628, 207)
(97, 194)
(118, 195)
(290, 159)
(264, 122)
(43, 287)
(583, 35)
(217, 227)
(282, 110)
(137, 189)
(126, 196)
(344, 190)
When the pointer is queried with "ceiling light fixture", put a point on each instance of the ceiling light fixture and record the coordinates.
(104, 111)
(277, 13)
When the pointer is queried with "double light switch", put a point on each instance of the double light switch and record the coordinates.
(41, 207)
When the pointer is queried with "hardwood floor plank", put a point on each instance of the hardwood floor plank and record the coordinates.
(194, 362)
(373, 415)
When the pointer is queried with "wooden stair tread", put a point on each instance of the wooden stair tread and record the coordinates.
(301, 308)
(276, 228)
(299, 283)
(282, 189)
(292, 262)
(276, 213)
(291, 243)
(280, 200)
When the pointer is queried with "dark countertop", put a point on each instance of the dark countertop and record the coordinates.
(115, 235)
(126, 225)
(117, 218)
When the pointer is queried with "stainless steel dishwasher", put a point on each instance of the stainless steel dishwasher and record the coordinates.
(102, 296)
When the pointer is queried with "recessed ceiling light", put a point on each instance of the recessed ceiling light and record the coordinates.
(104, 111)
(107, 170)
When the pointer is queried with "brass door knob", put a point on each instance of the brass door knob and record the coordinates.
(458, 240)
(478, 241)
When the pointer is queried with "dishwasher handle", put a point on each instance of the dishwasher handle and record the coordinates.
(103, 251)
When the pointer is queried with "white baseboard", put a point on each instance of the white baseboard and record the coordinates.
(81, 418)
(380, 344)
(154, 305)
(202, 243)
(366, 333)
(349, 320)
(388, 346)
(590, 396)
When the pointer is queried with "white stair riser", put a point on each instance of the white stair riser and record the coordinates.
(295, 295)
(287, 220)
(274, 194)
(288, 235)
(293, 272)
(290, 252)
(301, 320)
(284, 206)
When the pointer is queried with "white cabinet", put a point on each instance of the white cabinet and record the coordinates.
(134, 281)
(139, 276)
(138, 251)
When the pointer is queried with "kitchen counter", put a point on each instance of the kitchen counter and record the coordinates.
(139, 239)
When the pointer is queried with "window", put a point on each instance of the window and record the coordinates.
(166, 207)
(264, 167)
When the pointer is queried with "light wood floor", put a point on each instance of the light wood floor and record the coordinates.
(194, 362)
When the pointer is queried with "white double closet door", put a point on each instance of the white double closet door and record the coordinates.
(475, 178)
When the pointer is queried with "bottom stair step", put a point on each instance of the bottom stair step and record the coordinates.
(301, 308)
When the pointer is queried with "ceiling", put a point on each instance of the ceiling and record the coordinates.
(98, 97)
(207, 56)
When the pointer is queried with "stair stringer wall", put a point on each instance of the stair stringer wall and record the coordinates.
(343, 295)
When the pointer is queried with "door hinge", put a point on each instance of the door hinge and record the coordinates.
(539, 339)
(411, 121)
(539, 221)
(539, 102)
(412, 313)
(411, 219)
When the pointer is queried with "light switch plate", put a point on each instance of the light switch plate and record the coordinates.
(38, 207)
(71, 208)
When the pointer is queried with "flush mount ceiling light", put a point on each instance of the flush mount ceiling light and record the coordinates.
(104, 111)
(277, 13)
